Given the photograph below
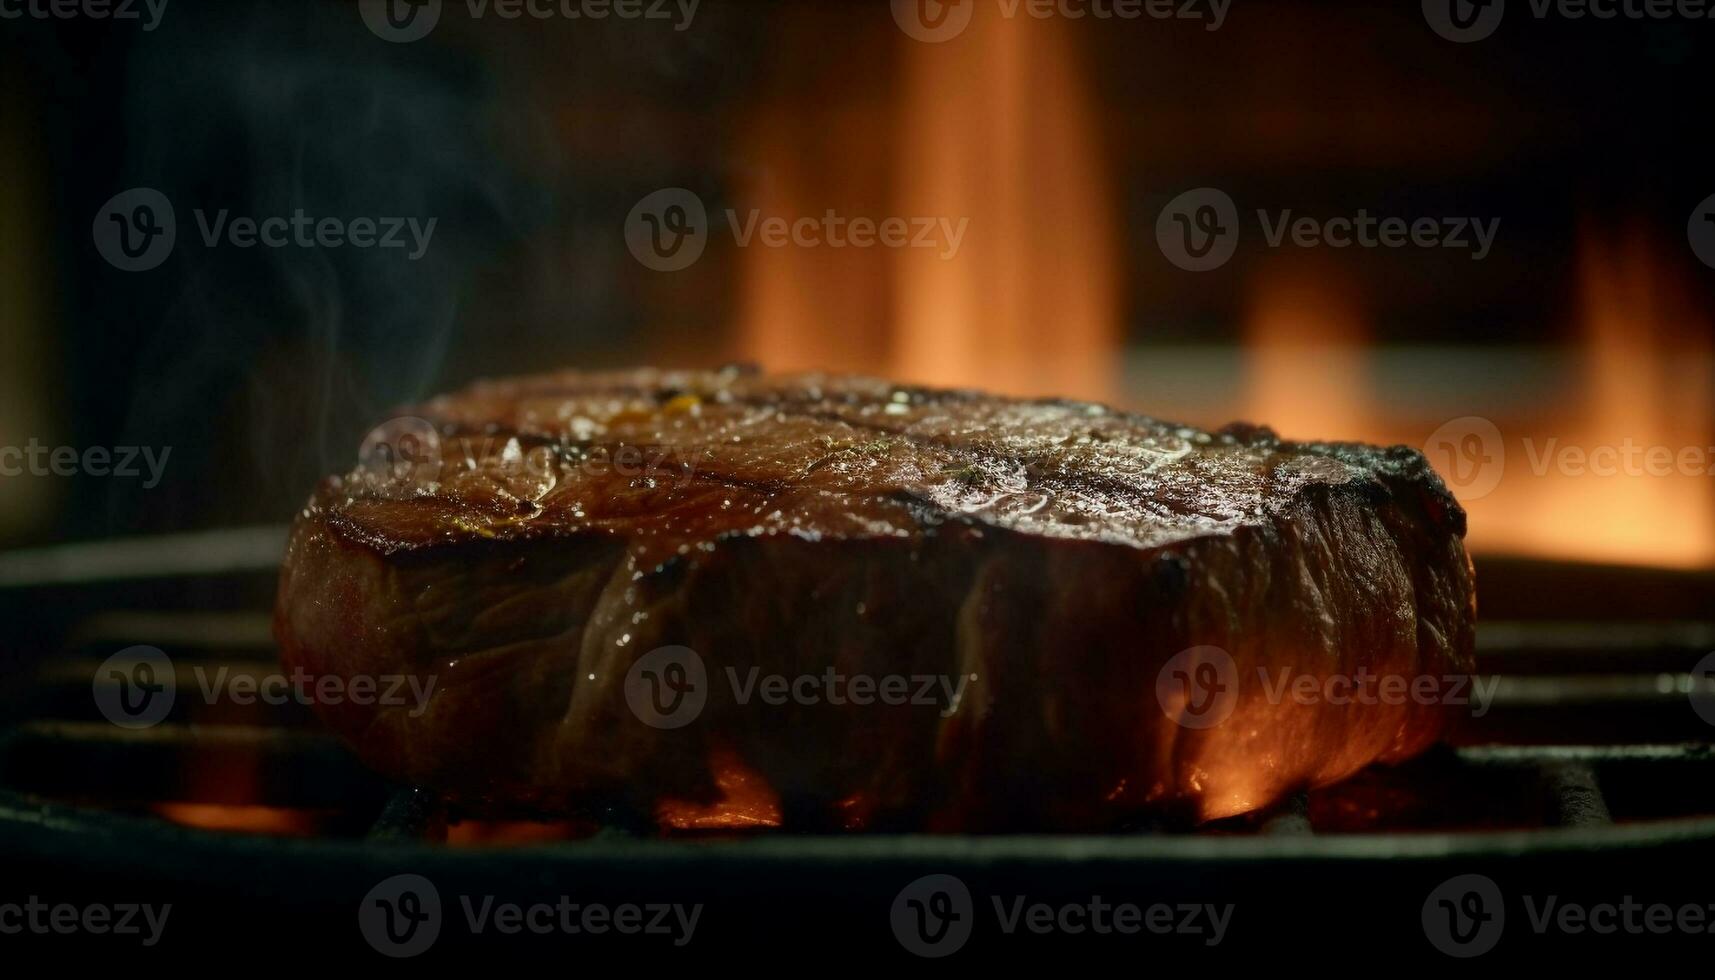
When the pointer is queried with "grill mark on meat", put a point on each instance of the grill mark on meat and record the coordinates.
(973, 460)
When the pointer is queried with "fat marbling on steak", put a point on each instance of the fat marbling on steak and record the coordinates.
(1034, 570)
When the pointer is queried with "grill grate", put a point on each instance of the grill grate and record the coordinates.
(1591, 749)
(1579, 708)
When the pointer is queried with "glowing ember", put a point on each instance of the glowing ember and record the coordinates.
(240, 818)
(747, 801)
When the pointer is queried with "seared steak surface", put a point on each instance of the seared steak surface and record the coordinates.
(1033, 570)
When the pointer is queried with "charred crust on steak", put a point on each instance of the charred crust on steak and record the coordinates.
(1061, 552)
(916, 456)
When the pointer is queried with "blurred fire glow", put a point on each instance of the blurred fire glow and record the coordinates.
(246, 818)
(1644, 383)
(996, 127)
(1303, 323)
(999, 126)
(1641, 382)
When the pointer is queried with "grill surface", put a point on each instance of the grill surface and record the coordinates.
(1590, 775)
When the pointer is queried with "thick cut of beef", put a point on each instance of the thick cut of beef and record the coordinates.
(869, 604)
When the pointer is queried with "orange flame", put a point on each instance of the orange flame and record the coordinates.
(995, 129)
(1305, 357)
(1645, 384)
(1641, 381)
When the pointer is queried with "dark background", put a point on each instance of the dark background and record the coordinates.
(530, 142)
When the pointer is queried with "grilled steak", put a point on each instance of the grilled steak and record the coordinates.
(870, 605)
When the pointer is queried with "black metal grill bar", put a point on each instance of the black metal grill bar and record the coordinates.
(1595, 638)
(1576, 795)
(79, 671)
(1598, 683)
(224, 552)
(1532, 755)
(177, 631)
